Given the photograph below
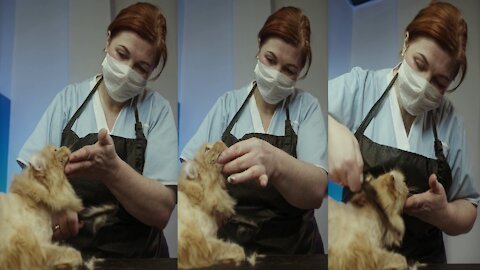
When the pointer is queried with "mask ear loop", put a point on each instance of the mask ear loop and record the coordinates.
(405, 45)
(402, 53)
(456, 82)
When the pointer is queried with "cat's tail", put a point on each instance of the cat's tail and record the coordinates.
(416, 266)
(252, 259)
(90, 264)
(96, 217)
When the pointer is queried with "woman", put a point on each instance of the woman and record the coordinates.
(124, 141)
(277, 144)
(402, 120)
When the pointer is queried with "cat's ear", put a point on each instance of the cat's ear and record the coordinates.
(37, 162)
(191, 170)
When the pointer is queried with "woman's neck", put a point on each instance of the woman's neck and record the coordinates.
(108, 103)
(265, 109)
(406, 117)
(111, 108)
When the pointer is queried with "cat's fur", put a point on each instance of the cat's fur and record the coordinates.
(357, 237)
(39, 192)
(203, 205)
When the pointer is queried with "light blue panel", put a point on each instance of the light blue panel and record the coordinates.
(4, 126)
(340, 16)
(206, 60)
(375, 40)
(39, 66)
(340, 19)
(7, 12)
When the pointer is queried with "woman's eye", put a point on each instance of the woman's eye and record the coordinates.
(141, 70)
(271, 61)
(440, 84)
(122, 55)
(420, 65)
(289, 72)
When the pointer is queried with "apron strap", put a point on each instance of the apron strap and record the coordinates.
(287, 104)
(288, 125)
(437, 145)
(237, 114)
(375, 108)
(138, 124)
(82, 107)
(140, 142)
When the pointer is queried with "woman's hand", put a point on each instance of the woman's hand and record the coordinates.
(65, 225)
(302, 184)
(345, 163)
(98, 160)
(453, 218)
(252, 159)
(430, 204)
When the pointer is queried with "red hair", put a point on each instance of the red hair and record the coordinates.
(293, 27)
(444, 23)
(147, 21)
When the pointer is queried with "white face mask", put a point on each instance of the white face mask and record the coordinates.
(416, 95)
(122, 82)
(273, 85)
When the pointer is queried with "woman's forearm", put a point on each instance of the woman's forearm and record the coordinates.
(302, 184)
(147, 200)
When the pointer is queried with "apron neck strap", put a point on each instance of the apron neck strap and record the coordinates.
(138, 124)
(375, 108)
(437, 145)
(237, 114)
(82, 107)
(287, 104)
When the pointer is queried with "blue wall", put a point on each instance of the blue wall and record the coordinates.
(4, 127)
(205, 60)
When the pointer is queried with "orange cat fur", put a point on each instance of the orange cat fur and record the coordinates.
(357, 236)
(203, 204)
(40, 191)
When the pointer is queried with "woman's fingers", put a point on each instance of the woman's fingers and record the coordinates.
(255, 172)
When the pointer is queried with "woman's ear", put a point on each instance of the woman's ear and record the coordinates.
(107, 42)
(405, 44)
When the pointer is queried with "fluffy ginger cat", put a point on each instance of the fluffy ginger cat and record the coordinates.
(358, 232)
(203, 205)
(40, 191)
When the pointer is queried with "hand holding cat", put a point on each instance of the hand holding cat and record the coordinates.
(345, 163)
(65, 225)
(98, 160)
(430, 205)
(252, 159)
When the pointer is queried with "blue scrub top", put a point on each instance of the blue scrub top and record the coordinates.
(305, 116)
(161, 156)
(352, 95)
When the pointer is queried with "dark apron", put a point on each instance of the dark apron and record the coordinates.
(127, 237)
(265, 222)
(422, 241)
